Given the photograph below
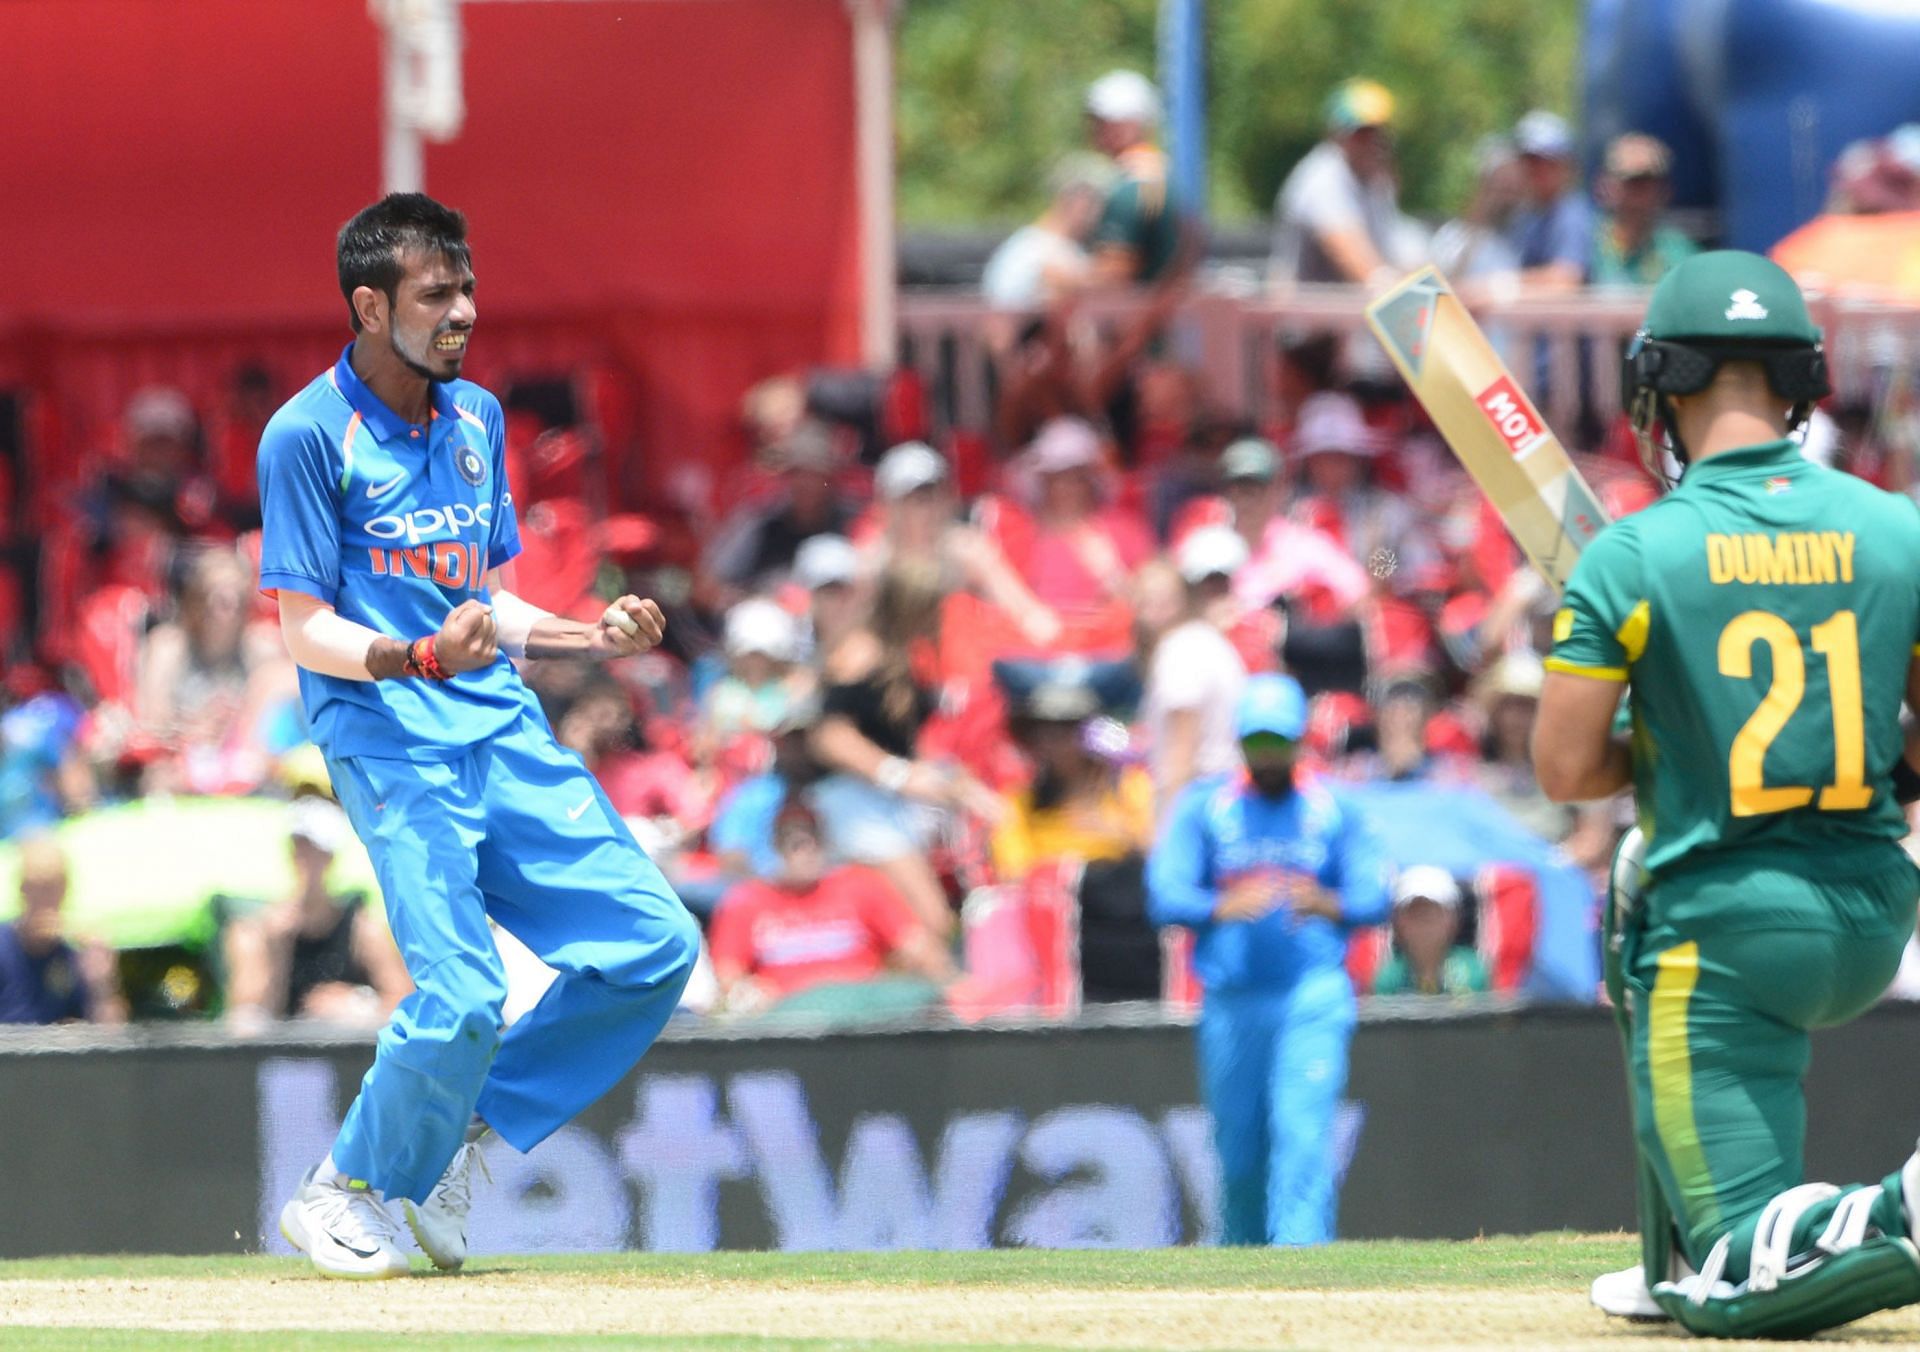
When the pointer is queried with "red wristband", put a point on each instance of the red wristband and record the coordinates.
(422, 661)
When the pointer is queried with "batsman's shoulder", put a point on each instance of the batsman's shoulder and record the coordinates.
(1617, 549)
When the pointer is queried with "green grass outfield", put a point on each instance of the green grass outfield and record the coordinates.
(1506, 1260)
(1493, 1293)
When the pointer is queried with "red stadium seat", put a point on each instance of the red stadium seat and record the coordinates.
(1509, 922)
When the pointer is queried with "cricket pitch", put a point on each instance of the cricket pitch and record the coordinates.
(1498, 1293)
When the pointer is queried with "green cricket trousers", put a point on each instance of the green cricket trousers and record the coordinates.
(1720, 1016)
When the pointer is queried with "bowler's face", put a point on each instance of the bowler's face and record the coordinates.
(433, 315)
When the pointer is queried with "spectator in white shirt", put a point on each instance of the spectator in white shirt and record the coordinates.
(1194, 675)
(1337, 218)
(1039, 263)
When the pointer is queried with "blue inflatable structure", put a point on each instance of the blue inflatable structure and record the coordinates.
(1756, 97)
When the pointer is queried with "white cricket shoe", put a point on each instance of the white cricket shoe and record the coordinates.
(439, 1224)
(346, 1232)
(1625, 1294)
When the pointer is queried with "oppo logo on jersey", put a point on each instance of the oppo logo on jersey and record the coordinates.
(426, 522)
(449, 563)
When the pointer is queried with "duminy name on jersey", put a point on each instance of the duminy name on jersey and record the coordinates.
(1794, 558)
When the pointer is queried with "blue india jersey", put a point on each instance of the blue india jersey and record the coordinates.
(393, 525)
(1221, 831)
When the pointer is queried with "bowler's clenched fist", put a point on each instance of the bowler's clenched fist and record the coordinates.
(467, 641)
(628, 626)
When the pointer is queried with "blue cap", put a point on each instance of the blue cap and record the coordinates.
(1274, 704)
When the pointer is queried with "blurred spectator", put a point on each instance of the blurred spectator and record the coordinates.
(1039, 263)
(1552, 233)
(1634, 245)
(1057, 368)
(1401, 714)
(1426, 960)
(1472, 247)
(1509, 697)
(828, 568)
(1337, 218)
(161, 431)
(234, 442)
(1306, 364)
(761, 644)
(1287, 561)
(741, 837)
(207, 680)
(1082, 805)
(756, 546)
(913, 487)
(1083, 550)
(1337, 452)
(880, 805)
(1194, 675)
(1137, 238)
(810, 926)
(317, 954)
(162, 460)
(44, 978)
(1877, 176)
(44, 774)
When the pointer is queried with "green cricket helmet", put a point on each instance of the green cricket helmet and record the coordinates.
(1727, 305)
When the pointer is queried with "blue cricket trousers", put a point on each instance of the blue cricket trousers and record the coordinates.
(1273, 1065)
(515, 828)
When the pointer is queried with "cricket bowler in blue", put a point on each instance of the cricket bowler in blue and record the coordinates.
(1270, 874)
(386, 513)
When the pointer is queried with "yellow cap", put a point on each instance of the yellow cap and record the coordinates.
(1359, 103)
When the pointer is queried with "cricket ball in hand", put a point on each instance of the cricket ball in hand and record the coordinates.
(616, 618)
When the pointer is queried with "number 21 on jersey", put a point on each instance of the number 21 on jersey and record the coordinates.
(1837, 640)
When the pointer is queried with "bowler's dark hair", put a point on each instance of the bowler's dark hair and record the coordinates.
(372, 244)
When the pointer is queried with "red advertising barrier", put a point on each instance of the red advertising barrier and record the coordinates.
(660, 190)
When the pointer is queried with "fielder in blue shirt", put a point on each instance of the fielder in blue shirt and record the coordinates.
(1270, 874)
(386, 514)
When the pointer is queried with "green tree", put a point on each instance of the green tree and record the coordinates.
(990, 90)
(1458, 69)
(990, 96)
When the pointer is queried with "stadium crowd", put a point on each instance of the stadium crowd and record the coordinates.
(921, 708)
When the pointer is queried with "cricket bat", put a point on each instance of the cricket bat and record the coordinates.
(1492, 427)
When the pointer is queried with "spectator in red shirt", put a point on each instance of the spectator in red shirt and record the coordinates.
(1083, 553)
(1287, 560)
(810, 927)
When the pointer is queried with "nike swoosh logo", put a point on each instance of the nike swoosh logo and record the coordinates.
(356, 1252)
(573, 814)
(381, 490)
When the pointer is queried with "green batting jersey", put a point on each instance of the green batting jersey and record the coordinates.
(1765, 611)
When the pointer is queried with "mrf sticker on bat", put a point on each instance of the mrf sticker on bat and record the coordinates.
(1512, 417)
